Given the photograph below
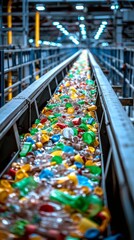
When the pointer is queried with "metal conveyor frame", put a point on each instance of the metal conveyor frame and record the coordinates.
(117, 142)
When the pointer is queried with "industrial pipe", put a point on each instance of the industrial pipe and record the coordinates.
(9, 38)
(37, 28)
(37, 36)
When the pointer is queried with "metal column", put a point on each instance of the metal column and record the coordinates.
(1, 23)
(118, 28)
(25, 11)
(9, 34)
(25, 21)
(2, 82)
(37, 28)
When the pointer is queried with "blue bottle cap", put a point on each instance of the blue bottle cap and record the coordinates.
(92, 234)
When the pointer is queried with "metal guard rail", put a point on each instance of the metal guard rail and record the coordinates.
(26, 65)
(117, 140)
(120, 63)
(18, 114)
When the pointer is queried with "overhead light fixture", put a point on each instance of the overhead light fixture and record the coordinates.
(84, 37)
(81, 18)
(40, 7)
(105, 44)
(65, 32)
(104, 22)
(52, 44)
(114, 7)
(46, 43)
(31, 40)
(100, 30)
(79, 7)
(55, 23)
(59, 26)
(40, 42)
(82, 25)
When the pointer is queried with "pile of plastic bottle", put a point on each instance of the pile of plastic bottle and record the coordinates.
(53, 190)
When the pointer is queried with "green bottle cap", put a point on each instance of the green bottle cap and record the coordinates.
(27, 147)
(57, 159)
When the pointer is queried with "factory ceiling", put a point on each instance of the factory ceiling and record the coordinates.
(80, 23)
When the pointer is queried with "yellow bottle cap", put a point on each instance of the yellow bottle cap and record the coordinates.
(92, 128)
(4, 235)
(67, 84)
(43, 131)
(78, 158)
(39, 144)
(89, 163)
(35, 237)
(3, 195)
(92, 108)
(76, 217)
(98, 191)
(91, 149)
(40, 125)
(86, 224)
(44, 138)
(73, 178)
(70, 110)
(5, 184)
(96, 143)
(56, 153)
(26, 167)
(34, 125)
(20, 174)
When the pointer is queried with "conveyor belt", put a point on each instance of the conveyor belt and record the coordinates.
(75, 128)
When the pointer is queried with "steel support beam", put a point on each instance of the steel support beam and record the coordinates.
(25, 21)
(126, 101)
(118, 29)
(1, 23)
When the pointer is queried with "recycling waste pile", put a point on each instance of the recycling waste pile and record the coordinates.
(53, 190)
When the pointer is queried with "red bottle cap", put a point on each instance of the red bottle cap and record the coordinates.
(46, 208)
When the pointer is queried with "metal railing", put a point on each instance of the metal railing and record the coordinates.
(120, 64)
(18, 114)
(116, 135)
(27, 65)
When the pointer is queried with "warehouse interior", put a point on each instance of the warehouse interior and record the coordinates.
(66, 120)
(78, 19)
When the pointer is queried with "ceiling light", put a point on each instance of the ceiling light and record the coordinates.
(112, 7)
(79, 7)
(59, 44)
(102, 26)
(104, 44)
(59, 26)
(71, 37)
(46, 43)
(116, 6)
(96, 37)
(39, 41)
(83, 32)
(66, 33)
(82, 25)
(31, 40)
(104, 22)
(81, 18)
(84, 36)
(40, 7)
(55, 23)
